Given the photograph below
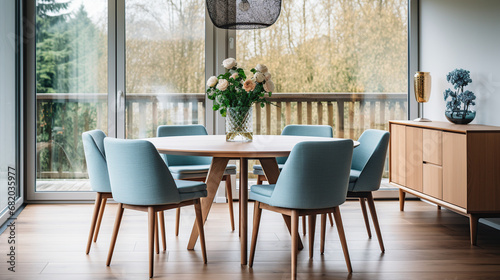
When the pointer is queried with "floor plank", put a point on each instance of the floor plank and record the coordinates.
(421, 243)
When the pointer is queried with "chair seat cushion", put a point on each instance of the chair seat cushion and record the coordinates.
(353, 177)
(190, 186)
(198, 168)
(182, 172)
(191, 189)
(261, 193)
(257, 169)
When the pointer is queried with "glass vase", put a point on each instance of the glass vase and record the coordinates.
(239, 124)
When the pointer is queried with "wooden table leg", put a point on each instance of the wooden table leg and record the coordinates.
(244, 209)
(213, 180)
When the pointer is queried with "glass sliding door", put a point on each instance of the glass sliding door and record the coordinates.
(337, 63)
(71, 88)
(10, 190)
(165, 64)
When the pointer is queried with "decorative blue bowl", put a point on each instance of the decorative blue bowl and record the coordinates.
(460, 116)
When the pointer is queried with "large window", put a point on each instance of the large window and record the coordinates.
(71, 88)
(165, 64)
(342, 63)
(133, 65)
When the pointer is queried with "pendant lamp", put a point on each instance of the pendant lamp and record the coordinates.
(243, 14)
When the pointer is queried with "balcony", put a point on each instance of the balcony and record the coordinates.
(348, 113)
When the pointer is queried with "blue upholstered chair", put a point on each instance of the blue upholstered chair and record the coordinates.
(140, 180)
(366, 173)
(296, 130)
(93, 146)
(193, 167)
(314, 181)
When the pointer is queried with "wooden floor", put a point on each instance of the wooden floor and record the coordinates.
(421, 243)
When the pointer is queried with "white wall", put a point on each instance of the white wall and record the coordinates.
(7, 95)
(462, 34)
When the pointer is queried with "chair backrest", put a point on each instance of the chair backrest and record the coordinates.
(138, 174)
(305, 130)
(183, 130)
(369, 159)
(315, 176)
(93, 146)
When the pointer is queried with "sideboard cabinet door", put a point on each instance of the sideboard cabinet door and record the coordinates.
(414, 166)
(398, 154)
(455, 168)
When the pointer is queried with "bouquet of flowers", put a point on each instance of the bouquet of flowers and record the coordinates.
(234, 89)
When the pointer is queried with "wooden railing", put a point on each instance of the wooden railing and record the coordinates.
(349, 114)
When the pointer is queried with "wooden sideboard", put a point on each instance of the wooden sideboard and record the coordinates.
(453, 166)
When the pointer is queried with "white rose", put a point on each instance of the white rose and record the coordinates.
(267, 76)
(212, 81)
(261, 68)
(222, 85)
(259, 77)
(269, 86)
(235, 76)
(229, 63)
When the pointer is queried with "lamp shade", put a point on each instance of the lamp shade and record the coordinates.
(243, 14)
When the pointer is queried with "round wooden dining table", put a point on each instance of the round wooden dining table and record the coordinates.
(264, 148)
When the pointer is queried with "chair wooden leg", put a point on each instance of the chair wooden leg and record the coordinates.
(330, 217)
(157, 236)
(162, 229)
(295, 242)
(323, 232)
(99, 218)
(371, 205)
(304, 225)
(312, 228)
(151, 235)
(199, 223)
(365, 216)
(177, 220)
(340, 229)
(257, 213)
(118, 220)
(229, 194)
(260, 179)
(402, 196)
(97, 206)
(288, 222)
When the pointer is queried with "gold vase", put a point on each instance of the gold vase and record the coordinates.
(422, 83)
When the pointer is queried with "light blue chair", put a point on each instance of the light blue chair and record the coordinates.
(314, 181)
(297, 130)
(93, 146)
(140, 180)
(193, 167)
(368, 162)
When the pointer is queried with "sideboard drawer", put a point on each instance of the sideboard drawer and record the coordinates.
(433, 180)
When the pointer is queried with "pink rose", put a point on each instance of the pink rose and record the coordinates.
(249, 85)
